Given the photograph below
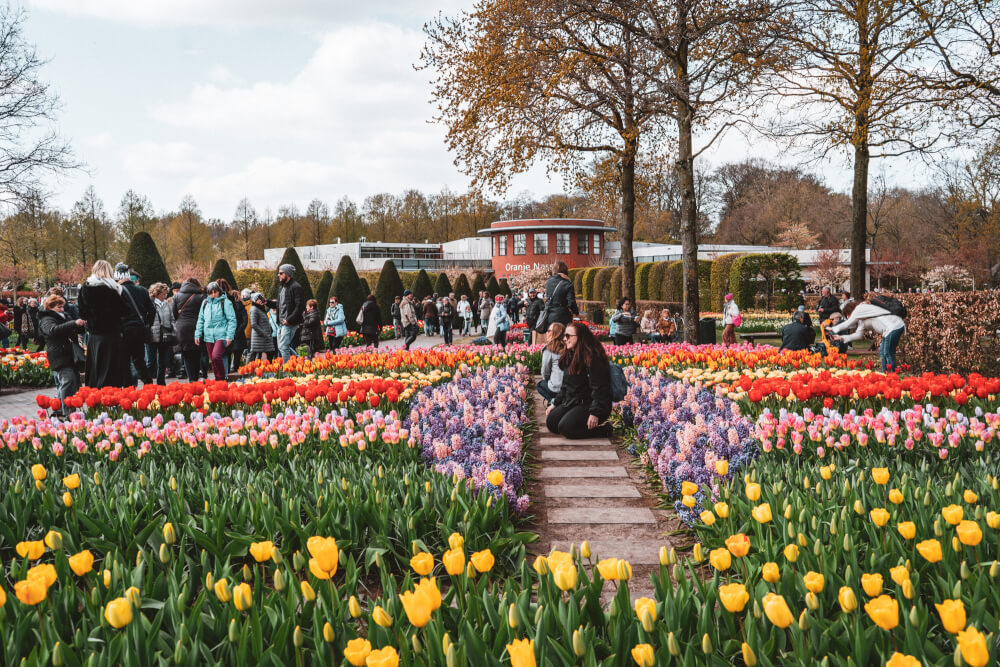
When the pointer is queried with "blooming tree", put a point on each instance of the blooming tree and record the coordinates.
(947, 278)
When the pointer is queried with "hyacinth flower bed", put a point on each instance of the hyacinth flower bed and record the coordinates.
(20, 368)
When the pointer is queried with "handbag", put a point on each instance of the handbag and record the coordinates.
(738, 320)
(542, 325)
(360, 319)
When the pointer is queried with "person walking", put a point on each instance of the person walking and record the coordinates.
(485, 308)
(335, 323)
(430, 316)
(499, 323)
(312, 333)
(291, 304)
(102, 307)
(22, 323)
(397, 320)
(730, 313)
(869, 317)
(371, 320)
(62, 347)
(624, 320)
(162, 333)
(185, 309)
(532, 311)
(561, 297)
(447, 314)
(263, 329)
(583, 404)
(235, 350)
(464, 309)
(552, 375)
(135, 324)
(216, 326)
(828, 304)
(33, 316)
(408, 318)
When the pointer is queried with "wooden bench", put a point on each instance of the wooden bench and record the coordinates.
(753, 337)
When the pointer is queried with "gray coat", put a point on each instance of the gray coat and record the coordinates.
(551, 370)
(261, 339)
(163, 319)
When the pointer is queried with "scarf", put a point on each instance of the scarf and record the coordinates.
(107, 282)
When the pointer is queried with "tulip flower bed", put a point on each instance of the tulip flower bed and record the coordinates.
(678, 357)
(19, 368)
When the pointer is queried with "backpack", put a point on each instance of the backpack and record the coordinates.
(890, 303)
(619, 385)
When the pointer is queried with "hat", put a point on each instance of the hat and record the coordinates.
(498, 298)
(729, 297)
(287, 269)
(332, 298)
(407, 293)
(256, 296)
(801, 308)
(122, 272)
(245, 294)
(175, 285)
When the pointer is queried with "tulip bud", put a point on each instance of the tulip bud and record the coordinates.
(67, 499)
(788, 512)
(804, 622)
(812, 601)
(802, 540)
(624, 570)
(648, 624)
(513, 619)
(848, 542)
(957, 657)
(138, 557)
(814, 524)
(18, 488)
(579, 645)
(354, 607)
(179, 653)
(706, 644)
(541, 608)
(297, 638)
(585, 550)
(964, 570)
(673, 645)
(279, 580)
(696, 552)
(956, 591)
(678, 572)
(833, 525)
(307, 591)
(749, 657)
(937, 528)
(907, 589)
(817, 547)
(164, 553)
(329, 636)
(173, 483)
(994, 569)
(247, 574)
(95, 596)
(470, 570)
(790, 530)
(757, 611)
(234, 631)
(914, 617)
(209, 580)
(664, 557)
(445, 643)
(276, 557)
(298, 560)
(182, 600)
(451, 656)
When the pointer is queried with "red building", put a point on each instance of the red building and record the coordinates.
(524, 245)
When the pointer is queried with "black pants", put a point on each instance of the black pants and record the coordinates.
(448, 331)
(571, 422)
(411, 335)
(371, 339)
(333, 342)
(163, 357)
(135, 344)
(545, 391)
(192, 364)
(622, 340)
(500, 338)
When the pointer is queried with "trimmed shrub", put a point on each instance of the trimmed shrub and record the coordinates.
(262, 277)
(656, 280)
(951, 332)
(704, 283)
(443, 286)
(493, 287)
(772, 274)
(347, 287)
(323, 291)
(602, 284)
(144, 257)
(587, 284)
(389, 286)
(615, 290)
(504, 287)
(421, 286)
(673, 281)
(642, 280)
(719, 280)
(292, 257)
(461, 287)
(478, 284)
(365, 287)
(222, 270)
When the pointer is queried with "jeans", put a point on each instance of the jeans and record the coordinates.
(887, 348)
(397, 329)
(446, 331)
(67, 383)
(217, 355)
(467, 326)
(545, 391)
(286, 332)
(163, 357)
(430, 325)
(571, 422)
(410, 331)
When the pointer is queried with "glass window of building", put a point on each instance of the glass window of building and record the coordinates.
(562, 243)
(582, 243)
(520, 244)
(501, 245)
(597, 244)
(541, 244)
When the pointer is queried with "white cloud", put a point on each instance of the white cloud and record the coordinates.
(222, 75)
(99, 141)
(149, 162)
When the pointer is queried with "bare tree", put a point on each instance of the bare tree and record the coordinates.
(318, 220)
(190, 216)
(29, 147)
(245, 221)
(92, 220)
(135, 213)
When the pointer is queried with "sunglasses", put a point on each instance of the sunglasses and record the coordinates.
(569, 335)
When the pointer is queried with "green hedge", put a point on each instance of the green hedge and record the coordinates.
(422, 286)
(443, 286)
(347, 288)
(493, 287)
(588, 282)
(642, 280)
(657, 279)
(602, 284)
(704, 283)
(388, 287)
(323, 291)
(576, 277)
(673, 281)
(749, 275)
(144, 257)
(263, 278)
(720, 280)
(615, 290)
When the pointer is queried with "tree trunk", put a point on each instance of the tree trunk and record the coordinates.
(689, 224)
(628, 222)
(859, 219)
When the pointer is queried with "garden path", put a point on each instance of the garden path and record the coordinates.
(591, 490)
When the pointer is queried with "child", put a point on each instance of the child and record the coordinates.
(312, 335)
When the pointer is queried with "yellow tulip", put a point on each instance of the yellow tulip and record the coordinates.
(753, 491)
(495, 477)
(970, 496)
(428, 588)
(858, 507)
(522, 653)
(884, 611)
(952, 513)
(541, 565)
(645, 606)
(738, 544)
(45, 572)
(31, 591)
(777, 611)
(895, 496)
(762, 513)
(482, 560)
(81, 563)
(901, 660)
(644, 655)
(722, 468)
(608, 567)
(847, 599)
(325, 556)
(243, 596)
(454, 561)
(422, 563)
(72, 482)
(262, 551)
(354, 607)
(952, 613)
(456, 541)
(872, 584)
(791, 552)
(67, 499)
(825, 472)
(3, 598)
(688, 501)
(357, 651)
(707, 518)
(749, 657)
(118, 613)
(688, 488)
(169, 536)
(565, 576)
(38, 472)
(880, 476)
(899, 574)
(720, 559)
(907, 529)
(222, 590)
(930, 550)
(734, 597)
(770, 572)
(972, 644)
(722, 510)
(417, 608)
(381, 617)
(969, 533)
(814, 581)
(383, 657)
(993, 520)
(879, 516)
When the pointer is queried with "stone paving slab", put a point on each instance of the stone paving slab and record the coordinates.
(599, 455)
(631, 515)
(556, 440)
(641, 553)
(579, 472)
(591, 491)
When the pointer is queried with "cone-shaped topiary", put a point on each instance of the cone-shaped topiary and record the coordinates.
(222, 270)
(347, 288)
(504, 287)
(478, 284)
(389, 286)
(493, 287)
(365, 288)
(443, 285)
(144, 257)
(292, 257)
(462, 287)
(421, 286)
(323, 291)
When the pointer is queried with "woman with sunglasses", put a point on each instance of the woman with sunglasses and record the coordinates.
(583, 405)
(335, 323)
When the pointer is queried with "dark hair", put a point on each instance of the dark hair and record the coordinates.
(586, 353)
(848, 309)
(197, 283)
(313, 303)
(560, 267)
(370, 297)
(621, 302)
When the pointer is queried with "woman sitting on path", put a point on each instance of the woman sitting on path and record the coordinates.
(583, 405)
(552, 375)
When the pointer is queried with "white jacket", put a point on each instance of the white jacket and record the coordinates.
(729, 312)
(869, 318)
(465, 310)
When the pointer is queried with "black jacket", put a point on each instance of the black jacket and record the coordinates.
(311, 326)
(142, 318)
(187, 303)
(591, 389)
(797, 336)
(533, 310)
(291, 303)
(102, 307)
(242, 320)
(561, 300)
(371, 318)
(60, 339)
(446, 312)
(827, 306)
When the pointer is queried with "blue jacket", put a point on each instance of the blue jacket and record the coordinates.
(216, 320)
(335, 319)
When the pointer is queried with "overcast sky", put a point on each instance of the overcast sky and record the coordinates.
(277, 100)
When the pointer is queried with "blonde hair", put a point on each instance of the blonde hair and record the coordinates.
(156, 289)
(555, 343)
(102, 269)
(52, 301)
